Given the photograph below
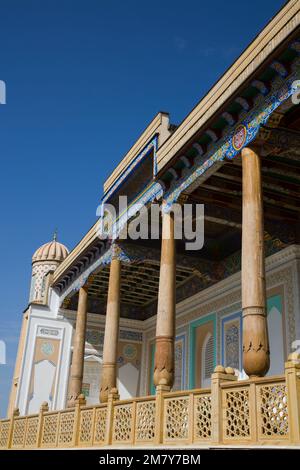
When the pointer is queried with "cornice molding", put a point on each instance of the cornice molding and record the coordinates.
(84, 243)
(160, 124)
(99, 320)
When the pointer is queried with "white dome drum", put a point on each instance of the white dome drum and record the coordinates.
(46, 259)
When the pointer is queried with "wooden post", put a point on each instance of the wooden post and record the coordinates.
(110, 347)
(14, 415)
(78, 350)
(256, 353)
(159, 413)
(43, 409)
(191, 418)
(133, 430)
(165, 322)
(219, 375)
(113, 396)
(292, 377)
(253, 411)
(79, 402)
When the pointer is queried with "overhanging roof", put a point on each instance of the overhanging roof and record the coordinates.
(259, 51)
(272, 36)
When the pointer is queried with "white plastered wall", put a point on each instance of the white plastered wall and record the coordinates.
(44, 323)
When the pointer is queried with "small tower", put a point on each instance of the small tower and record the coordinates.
(44, 261)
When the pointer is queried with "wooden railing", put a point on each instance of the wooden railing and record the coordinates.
(257, 411)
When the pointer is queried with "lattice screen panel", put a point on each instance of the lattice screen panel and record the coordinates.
(145, 421)
(19, 432)
(176, 418)
(122, 428)
(100, 425)
(32, 431)
(66, 428)
(49, 430)
(4, 431)
(236, 414)
(86, 427)
(202, 417)
(272, 411)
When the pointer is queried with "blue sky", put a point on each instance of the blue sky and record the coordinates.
(83, 80)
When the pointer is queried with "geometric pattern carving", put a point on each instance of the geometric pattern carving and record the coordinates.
(236, 409)
(176, 418)
(267, 406)
(179, 360)
(100, 425)
(19, 432)
(39, 271)
(4, 431)
(49, 431)
(232, 344)
(122, 429)
(32, 431)
(145, 421)
(273, 411)
(202, 417)
(66, 427)
(86, 426)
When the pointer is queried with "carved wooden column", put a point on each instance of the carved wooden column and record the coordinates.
(256, 354)
(165, 323)
(78, 348)
(110, 347)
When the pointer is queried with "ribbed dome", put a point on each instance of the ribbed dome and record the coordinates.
(51, 251)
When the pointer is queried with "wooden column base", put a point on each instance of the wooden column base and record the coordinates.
(164, 361)
(108, 381)
(256, 353)
(75, 393)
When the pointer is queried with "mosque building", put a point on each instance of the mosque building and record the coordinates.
(143, 341)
